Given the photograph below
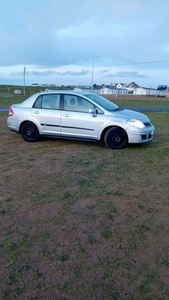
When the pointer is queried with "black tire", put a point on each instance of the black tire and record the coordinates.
(116, 138)
(30, 132)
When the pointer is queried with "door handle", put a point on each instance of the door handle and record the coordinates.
(66, 115)
(36, 112)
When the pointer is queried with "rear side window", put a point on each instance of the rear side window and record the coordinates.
(38, 102)
(47, 102)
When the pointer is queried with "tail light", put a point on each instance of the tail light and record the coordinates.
(10, 112)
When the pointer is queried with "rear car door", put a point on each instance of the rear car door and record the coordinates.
(47, 114)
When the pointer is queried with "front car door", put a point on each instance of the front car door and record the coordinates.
(46, 112)
(77, 120)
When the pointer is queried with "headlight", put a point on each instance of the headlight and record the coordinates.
(135, 123)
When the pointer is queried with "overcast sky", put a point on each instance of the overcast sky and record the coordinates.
(58, 42)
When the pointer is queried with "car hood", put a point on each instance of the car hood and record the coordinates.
(131, 114)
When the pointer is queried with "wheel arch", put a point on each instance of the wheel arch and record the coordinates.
(26, 121)
(107, 128)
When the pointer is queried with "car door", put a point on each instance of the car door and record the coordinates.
(47, 114)
(77, 120)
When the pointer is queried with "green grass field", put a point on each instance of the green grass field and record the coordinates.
(80, 221)
(128, 102)
(7, 93)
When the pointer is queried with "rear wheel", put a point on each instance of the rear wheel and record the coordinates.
(30, 132)
(116, 138)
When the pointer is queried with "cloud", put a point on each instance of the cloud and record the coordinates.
(52, 72)
(104, 71)
(128, 37)
(127, 74)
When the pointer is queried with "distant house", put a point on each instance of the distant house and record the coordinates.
(120, 91)
(142, 91)
(103, 90)
(44, 85)
(77, 89)
(93, 90)
(121, 85)
(131, 86)
(52, 85)
(35, 84)
(106, 91)
(113, 91)
(162, 90)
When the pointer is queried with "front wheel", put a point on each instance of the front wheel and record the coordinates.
(116, 138)
(30, 132)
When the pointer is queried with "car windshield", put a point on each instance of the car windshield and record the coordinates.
(103, 102)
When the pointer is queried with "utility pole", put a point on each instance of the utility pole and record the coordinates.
(93, 70)
(24, 71)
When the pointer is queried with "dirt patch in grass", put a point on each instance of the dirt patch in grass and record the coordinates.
(79, 221)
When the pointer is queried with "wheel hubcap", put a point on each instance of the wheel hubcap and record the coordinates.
(117, 139)
(30, 132)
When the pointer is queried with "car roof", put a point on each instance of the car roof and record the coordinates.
(64, 91)
(33, 97)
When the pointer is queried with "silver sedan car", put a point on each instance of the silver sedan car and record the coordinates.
(78, 115)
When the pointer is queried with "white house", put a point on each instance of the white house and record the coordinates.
(113, 91)
(35, 84)
(121, 85)
(105, 91)
(144, 91)
(162, 90)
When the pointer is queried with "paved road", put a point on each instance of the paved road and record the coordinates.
(140, 109)
(3, 108)
(150, 109)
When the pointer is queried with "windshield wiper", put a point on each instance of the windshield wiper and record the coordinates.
(118, 108)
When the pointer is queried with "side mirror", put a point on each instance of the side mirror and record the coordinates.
(93, 111)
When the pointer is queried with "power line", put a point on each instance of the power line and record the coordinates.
(118, 64)
(140, 63)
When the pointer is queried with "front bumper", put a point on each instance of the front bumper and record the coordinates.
(141, 135)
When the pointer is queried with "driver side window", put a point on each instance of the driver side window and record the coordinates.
(76, 103)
